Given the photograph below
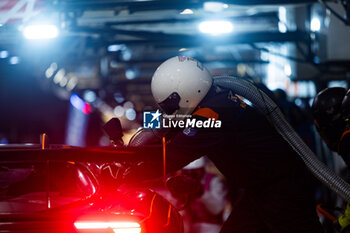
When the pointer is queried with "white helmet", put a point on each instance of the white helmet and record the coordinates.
(179, 84)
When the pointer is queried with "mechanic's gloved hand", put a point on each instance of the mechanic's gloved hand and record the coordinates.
(342, 224)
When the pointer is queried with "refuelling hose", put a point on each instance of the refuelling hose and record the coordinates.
(269, 108)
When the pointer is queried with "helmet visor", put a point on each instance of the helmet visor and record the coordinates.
(170, 104)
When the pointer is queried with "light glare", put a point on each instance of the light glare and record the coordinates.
(130, 114)
(80, 104)
(89, 96)
(119, 111)
(282, 14)
(4, 54)
(216, 27)
(114, 48)
(282, 27)
(315, 24)
(128, 104)
(118, 97)
(71, 84)
(44, 31)
(14, 60)
(131, 73)
(51, 70)
(105, 225)
(60, 74)
(63, 82)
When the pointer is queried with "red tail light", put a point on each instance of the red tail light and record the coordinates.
(117, 227)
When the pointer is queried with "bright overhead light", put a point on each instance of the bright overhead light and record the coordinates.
(40, 31)
(51, 70)
(63, 82)
(282, 28)
(59, 76)
(186, 12)
(72, 83)
(315, 24)
(216, 27)
(282, 14)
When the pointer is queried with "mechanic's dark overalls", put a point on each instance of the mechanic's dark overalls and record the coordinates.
(344, 146)
(275, 191)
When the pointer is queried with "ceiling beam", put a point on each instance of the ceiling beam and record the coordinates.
(258, 16)
(152, 5)
(149, 37)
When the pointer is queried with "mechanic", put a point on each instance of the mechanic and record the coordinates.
(269, 184)
(331, 111)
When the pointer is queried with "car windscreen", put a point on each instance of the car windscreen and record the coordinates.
(32, 186)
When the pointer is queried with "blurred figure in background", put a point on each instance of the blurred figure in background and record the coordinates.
(331, 111)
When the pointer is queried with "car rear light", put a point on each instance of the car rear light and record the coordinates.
(117, 227)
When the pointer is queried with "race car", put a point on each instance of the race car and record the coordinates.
(65, 189)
